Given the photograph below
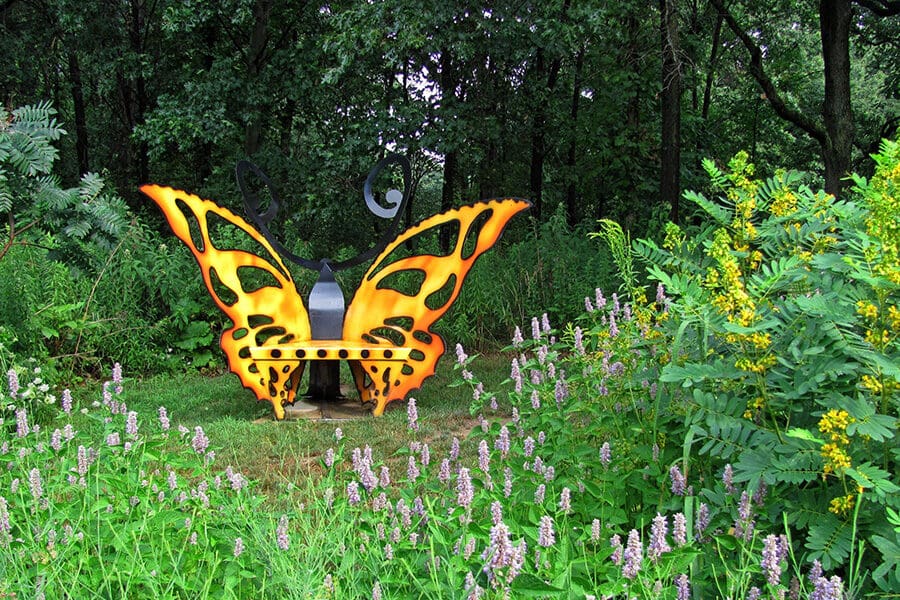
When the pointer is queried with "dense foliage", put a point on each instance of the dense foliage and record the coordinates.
(733, 434)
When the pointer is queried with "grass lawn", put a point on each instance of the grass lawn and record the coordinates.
(280, 455)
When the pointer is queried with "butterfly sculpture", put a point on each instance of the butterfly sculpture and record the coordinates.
(384, 333)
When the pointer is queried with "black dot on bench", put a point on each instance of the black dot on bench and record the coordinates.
(322, 353)
(301, 353)
(276, 353)
(343, 353)
(364, 354)
(388, 353)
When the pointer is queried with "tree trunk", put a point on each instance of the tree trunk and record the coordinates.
(136, 35)
(834, 18)
(259, 37)
(711, 69)
(670, 178)
(573, 212)
(81, 132)
(547, 82)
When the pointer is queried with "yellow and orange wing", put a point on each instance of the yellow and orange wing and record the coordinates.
(384, 312)
(253, 288)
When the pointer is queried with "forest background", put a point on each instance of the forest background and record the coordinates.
(590, 109)
(764, 367)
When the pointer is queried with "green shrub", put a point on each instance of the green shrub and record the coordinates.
(785, 354)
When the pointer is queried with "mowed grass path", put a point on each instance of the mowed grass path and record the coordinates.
(282, 456)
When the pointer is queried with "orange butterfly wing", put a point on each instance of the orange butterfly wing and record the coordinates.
(382, 315)
(268, 315)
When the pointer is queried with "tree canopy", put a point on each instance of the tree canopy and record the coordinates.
(591, 109)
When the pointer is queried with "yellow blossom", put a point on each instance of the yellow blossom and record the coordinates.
(842, 505)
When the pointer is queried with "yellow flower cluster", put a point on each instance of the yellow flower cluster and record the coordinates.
(883, 199)
(754, 407)
(784, 203)
(842, 505)
(834, 424)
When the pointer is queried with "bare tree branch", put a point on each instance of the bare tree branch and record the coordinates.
(882, 8)
(814, 129)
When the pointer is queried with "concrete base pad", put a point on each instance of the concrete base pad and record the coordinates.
(328, 410)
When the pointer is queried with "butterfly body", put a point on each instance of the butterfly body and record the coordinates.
(384, 332)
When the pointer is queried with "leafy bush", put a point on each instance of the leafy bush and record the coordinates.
(784, 352)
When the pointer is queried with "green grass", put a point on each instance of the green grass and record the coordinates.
(281, 455)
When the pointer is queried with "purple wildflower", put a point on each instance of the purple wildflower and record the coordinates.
(595, 530)
(771, 563)
(503, 559)
(412, 415)
(338, 434)
(565, 500)
(549, 473)
(542, 437)
(454, 448)
(754, 593)
(507, 482)
(502, 441)
(678, 482)
(826, 589)
(658, 544)
(535, 329)
(117, 377)
(633, 555)
(68, 432)
(561, 392)
(461, 356)
(113, 439)
(444, 471)
(376, 591)
(281, 533)
(172, 480)
(56, 440)
(329, 458)
(605, 454)
(618, 550)
(539, 494)
(546, 535)
(683, 587)
(587, 305)
(515, 374)
(496, 512)
(464, 490)
(759, 496)
(528, 446)
(163, 419)
(728, 479)
(66, 401)
(238, 547)
(743, 525)
(131, 426)
(535, 400)
(679, 529)
(613, 328)
(412, 470)
(545, 323)
(36, 484)
(384, 477)
(5, 525)
(517, 337)
(484, 456)
(12, 379)
(22, 428)
(702, 521)
(200, 442)
(599, 300)
(579, 343)
(353, 493)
